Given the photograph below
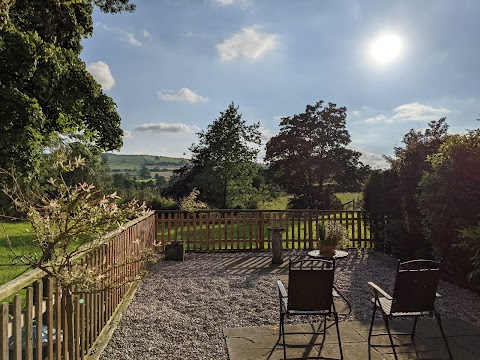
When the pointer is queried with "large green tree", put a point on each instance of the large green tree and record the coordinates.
(449, 198)
(409, 164)
(223, 162)
(309, 155)
(45, 87)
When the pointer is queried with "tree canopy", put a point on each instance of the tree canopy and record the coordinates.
(394, 193)
(223, 162)
(309, 155)
(449, 198)
(45, 87)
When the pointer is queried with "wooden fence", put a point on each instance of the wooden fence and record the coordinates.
(34, 324)
(217, 230)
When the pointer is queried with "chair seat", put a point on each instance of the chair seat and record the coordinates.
(307, 312)
(386, 306)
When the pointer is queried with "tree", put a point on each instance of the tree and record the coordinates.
(449, 198)
(409, 164)
(160, 181)
(145, 172)
(46, 89)
(223, 163)
(68, 222)
(309, 155)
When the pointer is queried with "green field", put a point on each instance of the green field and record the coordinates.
(282, 201)
(350, 198)
(20, 237)
(131, 164)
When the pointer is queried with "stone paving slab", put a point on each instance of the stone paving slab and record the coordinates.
(262, 342)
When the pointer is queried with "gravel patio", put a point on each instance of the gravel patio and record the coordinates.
(181, 308)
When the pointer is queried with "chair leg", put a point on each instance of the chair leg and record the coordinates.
(439, 321)
(414, 326)
(280, 330)
(283, 336)
(385, 320)
(371, 324)
(338, 334)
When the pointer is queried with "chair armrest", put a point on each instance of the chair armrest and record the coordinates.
(377, 289)
(283, 297)
(281, 289)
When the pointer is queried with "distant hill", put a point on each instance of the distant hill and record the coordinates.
(131, 164)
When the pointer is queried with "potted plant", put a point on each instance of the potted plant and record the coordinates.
(331, 236)
(175, 250)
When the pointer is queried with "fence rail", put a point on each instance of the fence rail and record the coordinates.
(217, 230)
(34, 325)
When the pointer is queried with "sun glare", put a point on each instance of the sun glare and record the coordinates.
(386, 48)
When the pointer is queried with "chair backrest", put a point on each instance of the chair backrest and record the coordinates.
(415, 286)
(310, 284)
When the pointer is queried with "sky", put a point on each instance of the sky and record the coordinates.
(172, 66)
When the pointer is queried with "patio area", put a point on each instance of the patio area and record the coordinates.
(225, 306)
(261, 342)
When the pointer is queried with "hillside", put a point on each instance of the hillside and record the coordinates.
(131, 164)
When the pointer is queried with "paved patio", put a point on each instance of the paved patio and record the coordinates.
(261, 342)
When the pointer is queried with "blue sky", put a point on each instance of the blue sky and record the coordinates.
(173, 65)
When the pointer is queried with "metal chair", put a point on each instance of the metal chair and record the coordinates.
(310, 292)
(414, 295)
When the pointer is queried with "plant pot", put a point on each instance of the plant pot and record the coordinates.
(175, 251)
(327, 250)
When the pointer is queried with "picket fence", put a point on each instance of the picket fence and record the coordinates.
(33, 321)
(227, 230)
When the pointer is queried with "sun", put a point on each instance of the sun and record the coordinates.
(386, 48)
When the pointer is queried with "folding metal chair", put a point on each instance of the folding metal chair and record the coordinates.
(414, 295)
(310, 288)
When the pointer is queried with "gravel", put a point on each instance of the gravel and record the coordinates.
(180, 308)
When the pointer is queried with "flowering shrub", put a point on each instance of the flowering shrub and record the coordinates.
(190, 202)
(335, 234)
(69, 221)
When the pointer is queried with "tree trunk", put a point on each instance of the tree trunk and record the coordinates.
(69, 304)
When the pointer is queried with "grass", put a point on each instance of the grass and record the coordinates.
(20, 238)
(347, 197)
(281, 202)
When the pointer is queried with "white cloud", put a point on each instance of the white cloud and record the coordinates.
(418, 112)
(132, 40)
(184, 94)
(370, 158)
(408, 112)
(128, 36)
(127, 134)
(165, 128)
(374, 160)
(378, 119)
(230, 2)
(102, 74)
(265, 135)
(249, 43)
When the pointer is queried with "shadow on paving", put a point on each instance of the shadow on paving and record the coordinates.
(261, 342)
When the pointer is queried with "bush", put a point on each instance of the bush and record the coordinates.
(449, 199)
